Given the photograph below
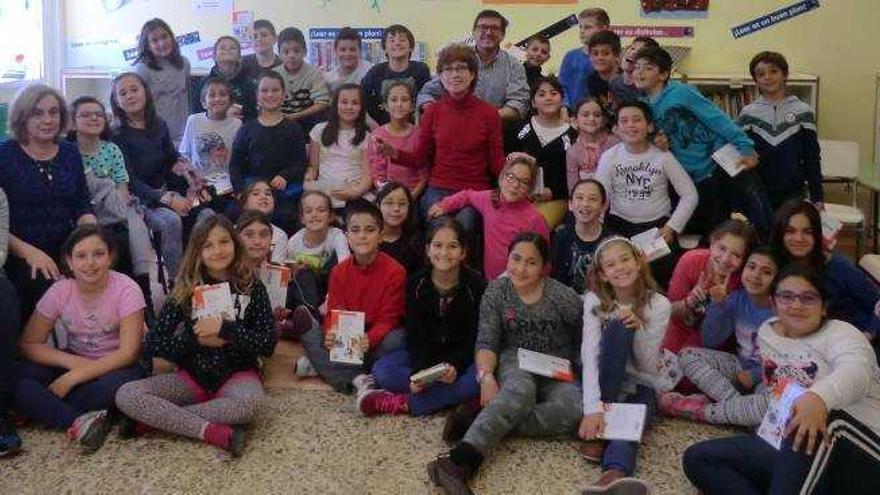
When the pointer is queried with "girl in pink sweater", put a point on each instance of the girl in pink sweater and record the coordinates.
(507, 211)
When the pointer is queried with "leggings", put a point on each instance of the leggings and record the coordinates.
(714, 372)
(175, 403)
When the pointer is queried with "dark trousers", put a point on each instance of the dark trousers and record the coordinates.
(29, 290)
(34, 400)
(615, 347)
(10, 327)
(721, 194)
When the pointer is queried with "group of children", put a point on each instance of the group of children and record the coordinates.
(330, 175)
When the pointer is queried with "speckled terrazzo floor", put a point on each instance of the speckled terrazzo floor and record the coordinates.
(312, 442)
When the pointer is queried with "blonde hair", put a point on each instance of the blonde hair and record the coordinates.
(645, 287)
(22, 106)
(192, 273)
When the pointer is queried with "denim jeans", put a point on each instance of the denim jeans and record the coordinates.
(615, 347)
(392, 372)
(745, 465)
(720, 194)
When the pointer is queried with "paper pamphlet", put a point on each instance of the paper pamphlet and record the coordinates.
(429, 375)
(830, 227)
(349, 327)
(727, 157)
(539, 182)
(276, 278)
(652, 244)
(326, 186)
(211, 300)
(545, 365)
(222, 183)
(668, 370)
(624, 422)
(782, 399)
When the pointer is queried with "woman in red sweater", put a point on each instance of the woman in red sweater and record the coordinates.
(460, 136)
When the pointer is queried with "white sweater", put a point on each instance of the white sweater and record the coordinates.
(641, 367)
(638, 186)
(836, 363)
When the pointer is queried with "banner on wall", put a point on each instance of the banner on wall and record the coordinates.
(654, 31)
(775, 17)
(675, 9)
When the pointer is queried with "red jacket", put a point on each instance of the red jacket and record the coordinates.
(376, 289)
(461, 140)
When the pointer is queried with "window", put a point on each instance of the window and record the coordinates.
(21, 52)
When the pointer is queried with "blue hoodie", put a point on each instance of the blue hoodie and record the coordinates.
(696, 128)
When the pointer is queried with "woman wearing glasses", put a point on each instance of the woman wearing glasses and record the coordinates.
(836, 418)
(852, 296)
(460, 136)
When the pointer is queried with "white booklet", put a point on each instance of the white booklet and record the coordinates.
(668, 370)
(429, 375)
(539, 182)
(830, 228)
(545, 365)
(221, 181)
(652, 244)
(349, 327)
(782, 399)
(276, 278)
(727, 157)
(212, 300)
(624, 422)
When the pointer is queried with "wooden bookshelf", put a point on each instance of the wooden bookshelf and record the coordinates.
(731, 92)
(320, 52)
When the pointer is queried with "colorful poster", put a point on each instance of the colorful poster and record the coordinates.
(775, 17)
(674, 9)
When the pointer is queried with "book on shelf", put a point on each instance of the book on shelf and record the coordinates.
(213, 300)
(624, 422)
(320, 53)
(348, 331)
(545, 365)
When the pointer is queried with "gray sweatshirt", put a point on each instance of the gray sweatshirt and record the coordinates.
(170, 89)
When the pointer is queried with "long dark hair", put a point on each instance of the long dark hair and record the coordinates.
(816, 258)
(151, 118)
(146, 56)
(85, 100)
(330, 134)
(409, 234)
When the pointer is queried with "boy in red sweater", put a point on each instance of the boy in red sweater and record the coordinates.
(368, 281)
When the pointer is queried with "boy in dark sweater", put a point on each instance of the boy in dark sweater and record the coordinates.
(784, 131)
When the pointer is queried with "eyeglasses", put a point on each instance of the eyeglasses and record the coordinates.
(88, 115)
(511, 179)
(452, 69)
(788, 298)
(486, 28)
(38, 113)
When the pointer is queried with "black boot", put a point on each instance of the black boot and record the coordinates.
(452, 471)
(459, 421)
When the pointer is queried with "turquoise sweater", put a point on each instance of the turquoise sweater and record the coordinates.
(695, 128)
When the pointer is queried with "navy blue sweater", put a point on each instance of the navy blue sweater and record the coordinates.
(149, 157)
(264, 152)
(851, 295)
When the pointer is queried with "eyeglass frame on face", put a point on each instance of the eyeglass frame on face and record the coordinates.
(807, 299)
(38, 113)
(88, 115)
(453, 69)
(510, 177)
(489, 28)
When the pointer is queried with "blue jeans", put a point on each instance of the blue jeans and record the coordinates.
(745, 465)
(615, 347)
(720, 193)
(34, 400)
(392, 373)
(340, 375)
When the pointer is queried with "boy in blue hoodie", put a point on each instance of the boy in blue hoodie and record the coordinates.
(696, 128)
(784, 131)
(576, 64)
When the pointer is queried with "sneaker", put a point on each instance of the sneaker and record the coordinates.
(375, 402)
(450, 477)
(676, 405)
(363, 383)
(10, 442)
(615, 482)
(593, 450)
(459, 421)
(90, 430)
(297, 323)
(304, 368)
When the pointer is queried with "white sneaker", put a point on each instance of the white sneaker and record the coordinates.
(363, 383)
(304, 368)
